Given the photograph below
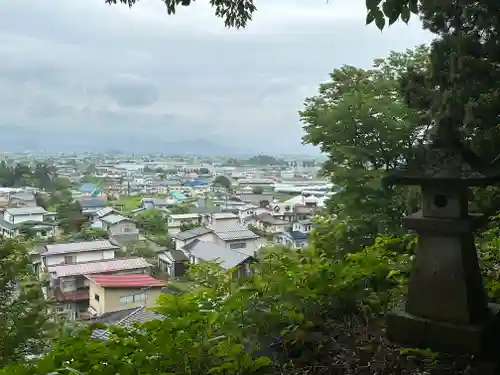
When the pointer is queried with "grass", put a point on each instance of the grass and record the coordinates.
(128, 203)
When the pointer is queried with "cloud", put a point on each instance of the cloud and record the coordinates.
(105, 77)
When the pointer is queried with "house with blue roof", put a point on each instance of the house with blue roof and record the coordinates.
(87, 188)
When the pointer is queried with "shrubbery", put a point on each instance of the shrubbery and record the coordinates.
(302, 312)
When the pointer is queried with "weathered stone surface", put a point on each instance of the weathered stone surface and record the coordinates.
(446, 307)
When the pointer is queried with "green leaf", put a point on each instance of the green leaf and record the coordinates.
(405, 14)
(370, 17)
(372, 4)
(414, 6)
(380, 22)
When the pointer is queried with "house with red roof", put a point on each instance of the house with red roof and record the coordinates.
(108, 293)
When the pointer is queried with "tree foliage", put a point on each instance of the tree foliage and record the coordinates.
(235, 13)
(41, 175)
(245, 326)
(152, 221)
(362, 123)
(23, 322)
(222, 181)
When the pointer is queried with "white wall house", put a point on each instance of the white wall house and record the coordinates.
(224, 218)
(304, 226)
(181, 239)
(40, 222)
(23, 214)
(238, 237)
(77, 252)
(175, 221)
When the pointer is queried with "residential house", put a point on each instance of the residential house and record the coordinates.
(294, 239)
(70, 287)
(204, 209)
(120, 228)
(90, 206)
(165, 187)
(247, 210)
(200, 251)
(237, 237)
(270, 224)
(226, 218)
(201, 233)
(156, 203)
(76, 252)
(176, 221)
(22, 199)
(106, 211)
(108, 293)
(173, 262)
(15, 221)
(304, 226)
(256, 199)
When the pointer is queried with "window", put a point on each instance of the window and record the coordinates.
(68, 285)
(69, 259)
(96, 297)
(238, 245)
(140, 297)
(127, 229)
(126, 300)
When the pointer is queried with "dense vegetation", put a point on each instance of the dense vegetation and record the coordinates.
(321, 309)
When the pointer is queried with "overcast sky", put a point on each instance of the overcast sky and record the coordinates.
(78, 74)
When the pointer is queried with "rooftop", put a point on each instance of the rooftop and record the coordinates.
(102, 266)
(126, 281)
(192, 233)
(230, 231)
(76, 247)
(224, 215)
(184, 216)
(36, 210)
(209, 251)
(114, 219)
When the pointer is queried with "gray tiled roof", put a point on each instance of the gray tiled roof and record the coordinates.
(229, 232)
(192, 233)
(224, 215)
(90, 268)
(75, 247)
(26, 210)
(91, 203)
(105, 211)
(114, 219)
(136, 315)
(209, 251)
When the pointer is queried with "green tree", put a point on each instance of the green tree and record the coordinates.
(458, 90)
(258, 190)
(70, 218)
(23, 322)
(152, 221)
(364, 126)
(222, 181)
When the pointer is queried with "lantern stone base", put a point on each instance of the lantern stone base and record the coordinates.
(409, 330)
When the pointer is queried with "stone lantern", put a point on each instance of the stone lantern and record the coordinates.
(446, 307)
